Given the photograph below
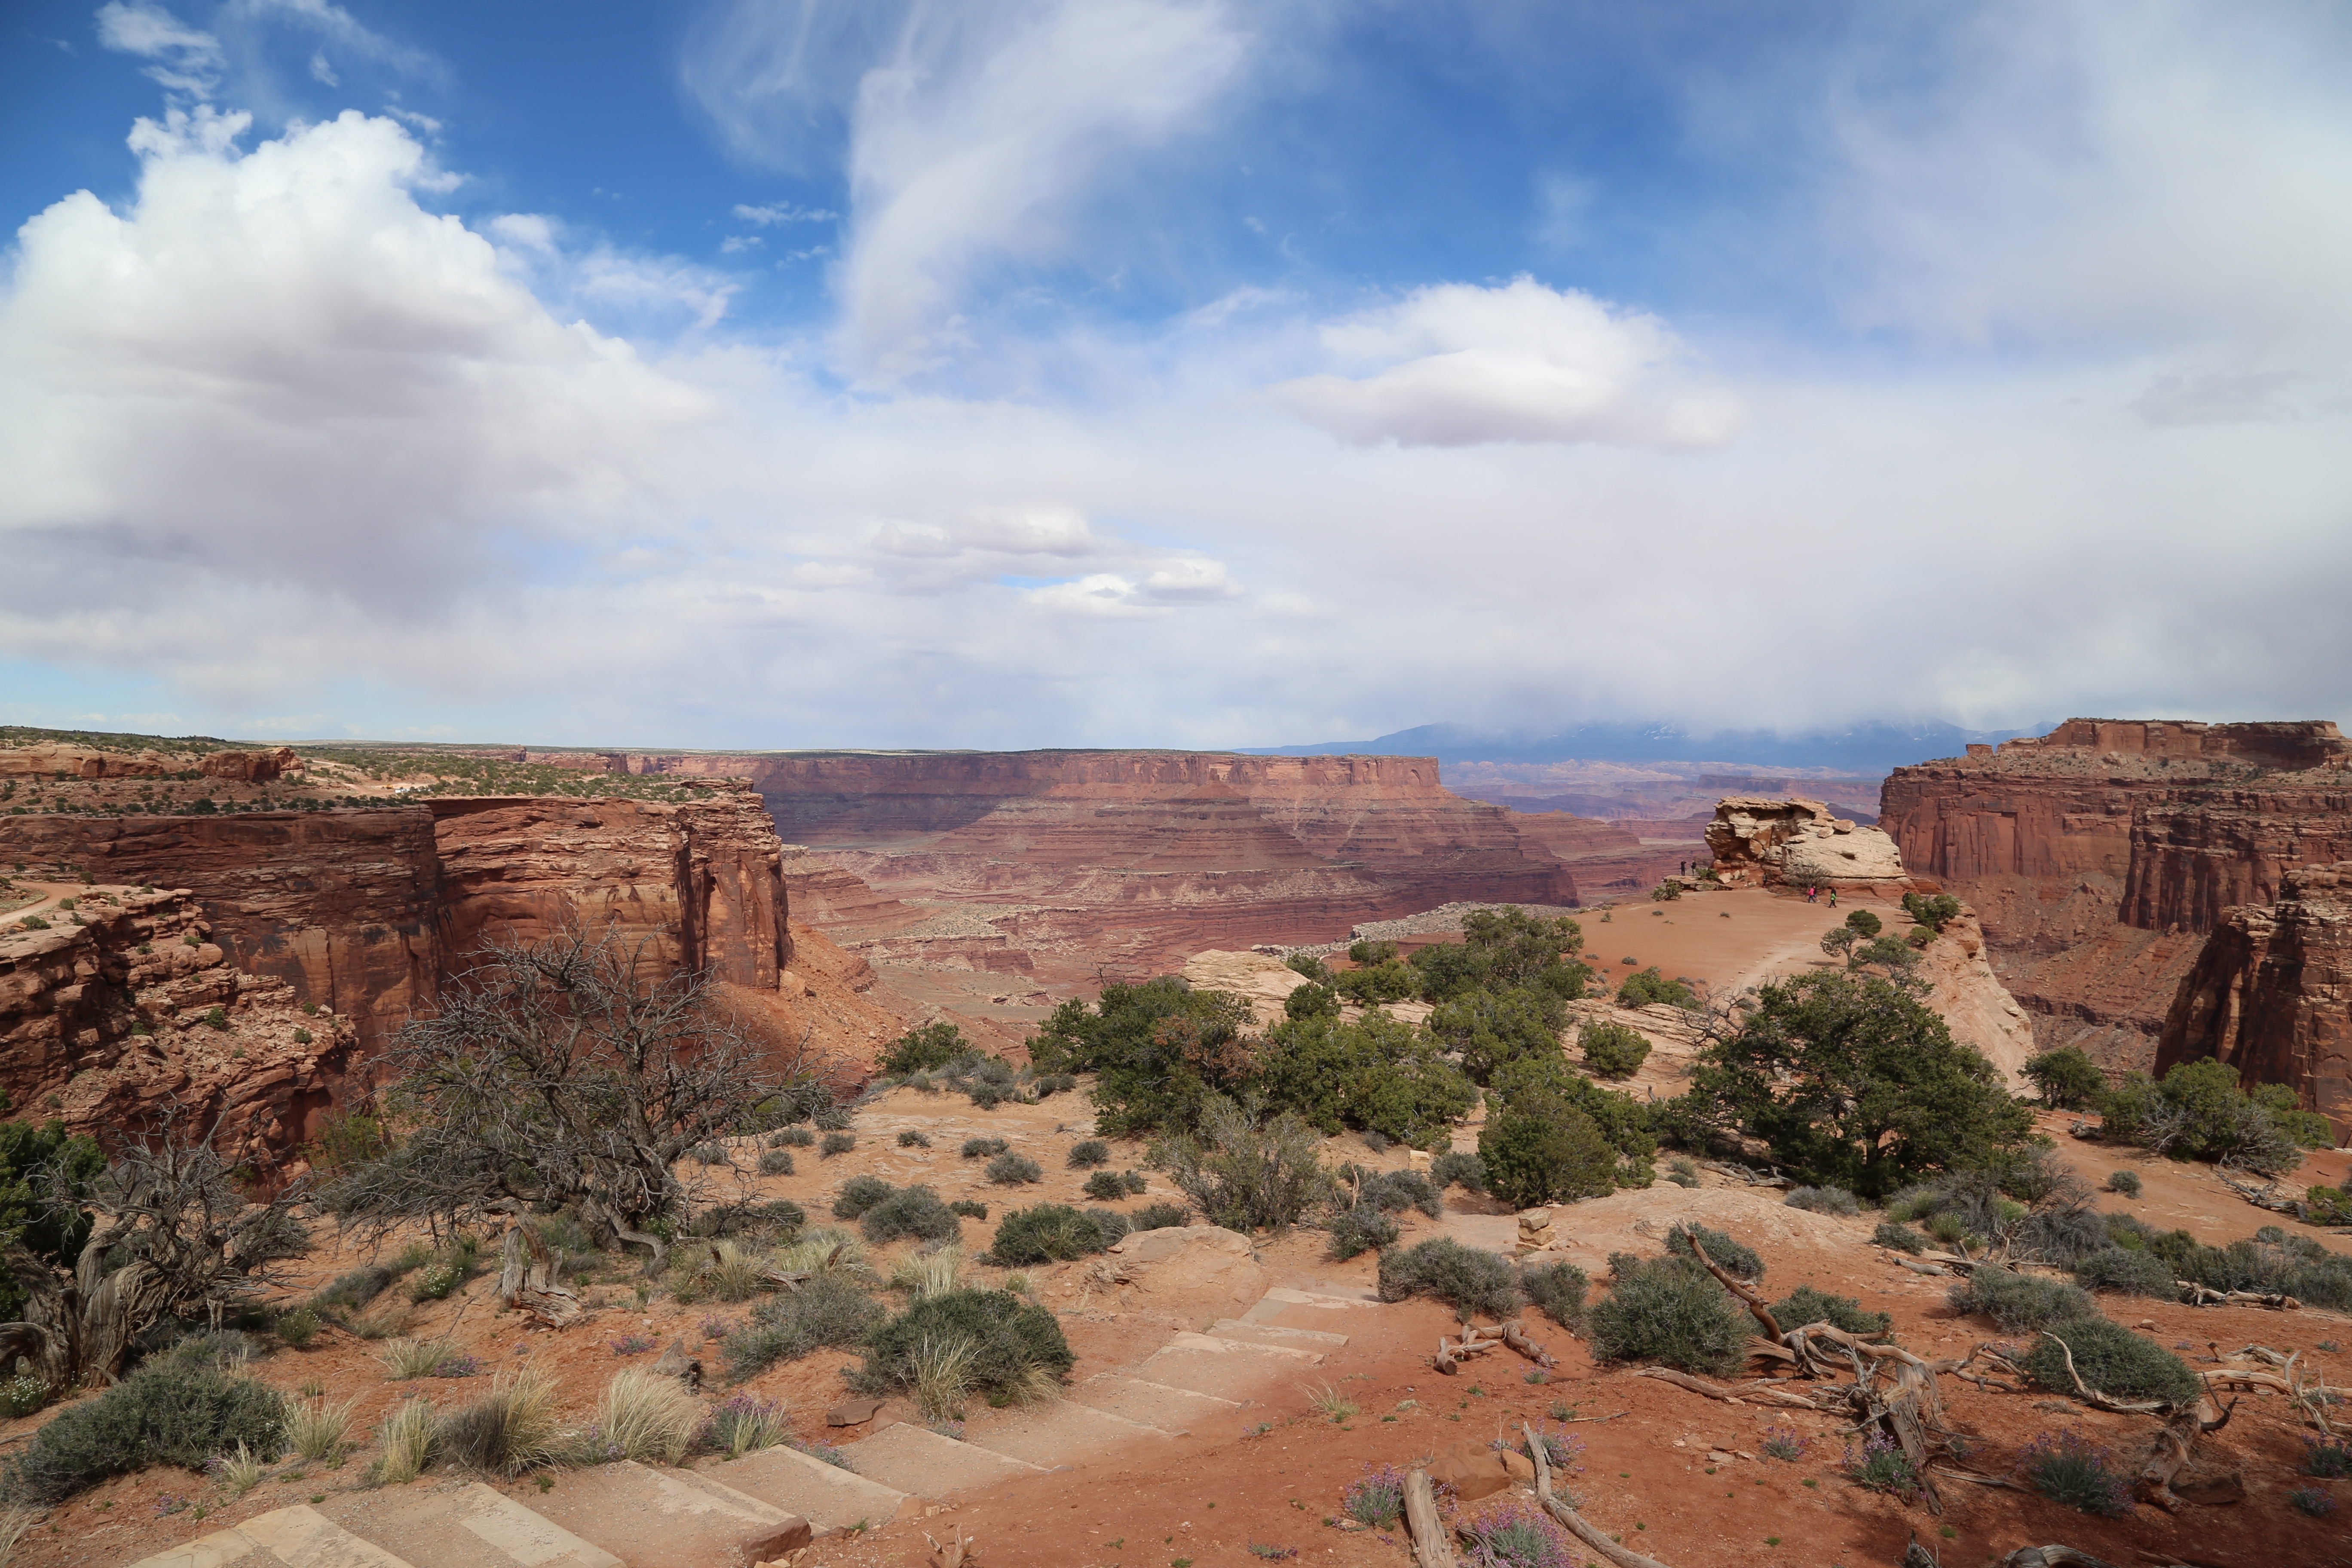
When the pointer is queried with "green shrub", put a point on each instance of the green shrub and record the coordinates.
(835, 1143)
(1311, 1001)
(1049, 1232)
(859, 1193)
(827, 1310)
(1459, 1168)
(1932, 911)
(2068, 1468)
(2324, 1205)
(1361, 1229)
(793, 1138)
(172, 1411)
(1377, 1074)
(1734, 1258)
(2067, 1078)
(1806, 1305)
(1086, 1155)
(1388, 981)
(1011, 1169)
(911, 1212)
(1613, 1050)
(297, 1328)
(2124, 1182)
(2200, 1112)
(910, 1139)
(982, 1148)
(2127, 1273)
(1901, 1237)
(1645, 987)
(1017, 1348)
(922, 1051)
(1366, 952)
(1246, 1174)
(1160, 1216)
(1105, 1187)
(1865, 922)
(355, 1290)
(1669, 1311)
(1542, 1150)
(1468, 1280)
(1824, 1200)
(1134, 1182)
(1559, 1290)
(775, 1162)
(2019, 1302)
(1394, 1192)
(2111, 1359)
(1307, 964)
(23, 1395)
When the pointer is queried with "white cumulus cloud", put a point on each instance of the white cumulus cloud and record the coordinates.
(1457, 365)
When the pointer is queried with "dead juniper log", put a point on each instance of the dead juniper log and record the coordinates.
(569, 1073)
(527, 1281)
(1432, 1544)
(1577, 1525)
(2180, 1431)
(171, 1235)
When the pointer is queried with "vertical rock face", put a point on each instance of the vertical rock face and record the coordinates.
(2099, 855)
(2270, 994)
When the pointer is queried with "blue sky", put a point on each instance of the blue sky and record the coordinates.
(1164, 372)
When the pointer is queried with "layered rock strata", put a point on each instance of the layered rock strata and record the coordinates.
(2099, 855)
(2270, 994)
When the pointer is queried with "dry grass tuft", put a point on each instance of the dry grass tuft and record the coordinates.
(943, 1376)
(510, 1429)
(406, 1359)
(928, 1272)
(316, 1430)
(408, 1434)
(648, 1415)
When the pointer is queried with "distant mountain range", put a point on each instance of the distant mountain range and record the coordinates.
(1873, 747)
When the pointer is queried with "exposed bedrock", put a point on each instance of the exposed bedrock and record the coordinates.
(2099, 855)
(2270, 994)
(1785, 842)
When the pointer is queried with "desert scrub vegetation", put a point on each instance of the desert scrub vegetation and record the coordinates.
(647, 1414)
(1011, 1169)
(2019, 1302)
(510, 1429)
(2068, 1468)
(2066, 1078)
(834, 1144)
(1543, 1150)
(1733, 1258)
(172, 1410)
(1105, 1187)
(917, 1212)
(983, 1147)
(1050, 1232)
(1089, 1153)
(930, 1271)
(745, 1424)
(1807, 1305)
(910, 1139)
(1670, 1310)
(827, 1311)
(859, 1193)
(2111, 1359)
(1458, 1168)
(925, 1049)
(1244, 1173)
(1558, 1289)
(2127, 1273)
(959, 1343)
(1612, 1049)
(1824, 1200)
(775, 1162)
(1466, 1279)
(2198, 1113)
(1648, 987)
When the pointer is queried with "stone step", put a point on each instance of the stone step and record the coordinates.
(1060, 1435)
(1229, 1369)
(1276, 1334)
(462, 1525)
(1174, 1410)
(919, 1461)
(669, 1519)
(297, 1537)
(830, 1497)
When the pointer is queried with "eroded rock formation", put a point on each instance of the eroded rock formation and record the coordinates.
(2099, 855)
(2270, 994)
(1773, 841)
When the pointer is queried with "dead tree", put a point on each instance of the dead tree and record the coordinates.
(172, 1237)
(566, 1074)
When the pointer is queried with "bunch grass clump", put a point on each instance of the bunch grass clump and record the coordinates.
(930, 1271)
(745, 1424)
(510, 1429)
(317, 1431)
(647, 1415)
(408, 1434)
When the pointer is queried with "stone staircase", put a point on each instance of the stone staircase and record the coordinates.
(767, 1504)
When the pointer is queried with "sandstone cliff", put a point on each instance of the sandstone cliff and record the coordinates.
(2099, 855)
(2270, 994)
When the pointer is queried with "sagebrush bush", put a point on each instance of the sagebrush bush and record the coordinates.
(1734, 1258)
(2113, 1360)
(1017, 1349)
(910, 1139)
(982, 1148)
(2124, 1182)
(1806, 1305)
(1465, 1278)
(1670, 1310)
(971, 1208)
(1824, 1200)
(835, 1143)
(1049, 1232)
(2127, 1273)
(793, 1138)
(1459, 1168)
(712, 1154)
(775, 1162)
(1613, 1050)
(859, 1193)
(1901, 1237)
(1361, 1229)
(1394, 1192)
(2018, 1303)
(1105, 1187)
(1558, 1289)
(828, 1309)
(1092, 1153)
(915, 1212)
(171, 1411)
(1160, 1216)
(1011, 1169)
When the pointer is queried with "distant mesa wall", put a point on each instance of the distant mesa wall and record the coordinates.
(1774, 841)
(2270, 994)
(368, 910)
(2101, 854)
(49, 760)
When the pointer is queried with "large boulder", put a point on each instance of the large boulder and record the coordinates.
(1774, 841)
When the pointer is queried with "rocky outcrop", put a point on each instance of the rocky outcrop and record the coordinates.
(2099, 855)
(2270, 994)
(125, 1006)
(1779, 842)
(60, 759)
